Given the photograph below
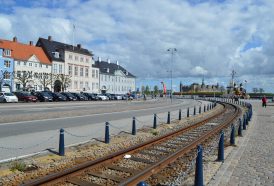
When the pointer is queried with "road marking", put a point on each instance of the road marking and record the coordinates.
(50, 119)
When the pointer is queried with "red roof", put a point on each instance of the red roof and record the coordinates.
(20, 51)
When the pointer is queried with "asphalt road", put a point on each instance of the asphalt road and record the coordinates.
(27, 128)
(98, 112)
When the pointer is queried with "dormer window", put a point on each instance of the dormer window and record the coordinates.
(7, 52)
(56, 54)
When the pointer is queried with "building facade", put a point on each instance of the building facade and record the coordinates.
(195, 87)
(6, 69)
(73, 64)
(114, 78)
(31, 65)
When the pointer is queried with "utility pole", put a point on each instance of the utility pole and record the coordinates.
(172, 50)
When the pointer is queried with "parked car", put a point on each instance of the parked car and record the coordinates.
(109, 96)
(57, 96)
(118, 97)
(43, 96)
(26, 97)
(90, 96)
(102, 97)
(69, 96)
(80, 97)
(8, 97)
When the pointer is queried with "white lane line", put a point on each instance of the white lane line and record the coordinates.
(109, 113)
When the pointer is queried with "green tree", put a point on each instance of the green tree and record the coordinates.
(147, 91)
(156, 90)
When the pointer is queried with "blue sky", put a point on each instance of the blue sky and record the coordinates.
(212, 37)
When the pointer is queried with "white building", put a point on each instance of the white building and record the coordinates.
(74, 62)
(114, 78)
(30, 65)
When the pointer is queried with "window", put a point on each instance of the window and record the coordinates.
(86, 85)
(7, 63)
(55, 68)
(46, 66)
(97, 86)
(7, 52)
(81, 59)
(42, 66)
(81, 85)
(25, 63)
(70, 70)
(76, 71)
(35, 64)
(86, 72)
(60, 69)
(97, 76)
(18, 63)
(93, 73)
(76, 58)
(30, 64)
(105, 77)
(93, 86)
(40, 87)
(56, 54)
(6, 75)
(18, 73)
(35, 87)
(87, 60)
(76, 84)
(81, 71)
(70, 56)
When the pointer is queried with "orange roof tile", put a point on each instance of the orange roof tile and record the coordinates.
(22, 51)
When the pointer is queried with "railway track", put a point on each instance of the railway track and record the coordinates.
(145, 161)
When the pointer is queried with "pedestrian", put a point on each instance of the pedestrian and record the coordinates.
(264, 100)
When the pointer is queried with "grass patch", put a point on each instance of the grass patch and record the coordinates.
(17, 165)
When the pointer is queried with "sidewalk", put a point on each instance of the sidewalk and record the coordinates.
(252, 161)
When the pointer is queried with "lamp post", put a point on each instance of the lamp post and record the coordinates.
(172, 50)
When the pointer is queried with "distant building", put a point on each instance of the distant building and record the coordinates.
(114, 78)
(73, 61)
(195, 87)
(6, 68)
(30, 62)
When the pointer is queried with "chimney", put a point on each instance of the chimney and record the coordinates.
(108, 61)
(14, 39)
(79, 45)
(49, 38)
(107, 70)
(99, 59)
(127, 73)
(117, 63)
(31, 43)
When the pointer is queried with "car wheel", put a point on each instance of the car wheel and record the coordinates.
(5, 101)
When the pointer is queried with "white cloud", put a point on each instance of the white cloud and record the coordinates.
(209, 36)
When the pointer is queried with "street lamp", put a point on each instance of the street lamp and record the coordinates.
(172, 50)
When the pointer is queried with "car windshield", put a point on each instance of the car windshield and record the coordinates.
(8, 94)
(26, 94)
(45, 94)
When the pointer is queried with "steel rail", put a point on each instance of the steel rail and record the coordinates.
(78, 169)
(158, 166)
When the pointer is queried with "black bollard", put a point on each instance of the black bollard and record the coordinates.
(246, 118)
(155, 121)
(200, 110)
(207, 107)
(199, 177)
(244, 123)
(187, 114)
(221, 148)
(107, 133)
(180, 114)
(204, 108)
(61, 143)
(168, 118)
(133, 126)
(194, 111)
(232, 135)
(240, 128)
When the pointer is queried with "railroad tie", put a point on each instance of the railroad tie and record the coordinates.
(105, 176)
(141, 160)
(158, 156)
(123, 169)
(77, 181)
(161, 150)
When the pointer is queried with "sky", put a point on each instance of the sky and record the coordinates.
(211, 37)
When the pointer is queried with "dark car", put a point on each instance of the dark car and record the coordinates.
(69, 96)
(43, 96)
(26, 97)
(109, 96)
(57, 96)
(90, 96)
(80, 97)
